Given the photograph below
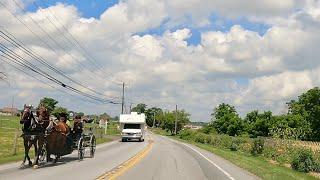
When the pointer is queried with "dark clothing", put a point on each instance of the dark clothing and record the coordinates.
(78, 127)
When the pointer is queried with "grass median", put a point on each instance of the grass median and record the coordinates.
(257, 165)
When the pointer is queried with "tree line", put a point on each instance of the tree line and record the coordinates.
(55, 110)
(301, 122)
(157, 117)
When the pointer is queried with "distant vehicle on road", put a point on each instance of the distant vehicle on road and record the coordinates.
(132, 126)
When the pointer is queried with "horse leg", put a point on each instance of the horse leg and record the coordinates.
(36, 154)
(27, 154)
(25, 143)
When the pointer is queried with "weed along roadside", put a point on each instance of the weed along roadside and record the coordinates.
(266, 158)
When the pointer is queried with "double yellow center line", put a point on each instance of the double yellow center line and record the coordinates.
(118, 171)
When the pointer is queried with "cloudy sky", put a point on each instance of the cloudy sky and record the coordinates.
(194, 53)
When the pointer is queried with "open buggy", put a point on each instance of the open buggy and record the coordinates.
(59, 144)
(57, 141)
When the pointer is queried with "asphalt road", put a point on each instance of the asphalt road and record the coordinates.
(167, 160)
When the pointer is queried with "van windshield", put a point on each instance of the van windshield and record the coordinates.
(131, 126)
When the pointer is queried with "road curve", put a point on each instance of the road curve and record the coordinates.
(167, 159)
(170, 159)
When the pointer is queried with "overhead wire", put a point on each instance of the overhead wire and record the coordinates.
(35, 34)
(71, 40)
(9, 54)
(44, 82)
(18, 44)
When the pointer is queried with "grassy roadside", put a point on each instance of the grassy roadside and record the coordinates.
(10, 125)
(256, 165)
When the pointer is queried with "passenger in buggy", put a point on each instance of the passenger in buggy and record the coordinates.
(77, 127)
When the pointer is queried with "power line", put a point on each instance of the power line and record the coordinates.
(9, 54)
(35, 69)
(52, 39)
(18, 44)
(74, 41)
(43, 82)
(39, 38)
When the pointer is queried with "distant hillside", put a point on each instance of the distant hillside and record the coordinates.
(198, 123)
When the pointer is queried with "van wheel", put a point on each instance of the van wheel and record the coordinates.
(123, 140)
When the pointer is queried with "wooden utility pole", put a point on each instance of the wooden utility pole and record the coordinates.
(12, 104)
(122, 106)
(176, 121)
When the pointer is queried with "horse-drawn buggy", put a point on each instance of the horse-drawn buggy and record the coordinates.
(53, 137)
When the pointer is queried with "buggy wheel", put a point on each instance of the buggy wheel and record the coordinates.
(92, 145)
(80, 149)
(42, 157)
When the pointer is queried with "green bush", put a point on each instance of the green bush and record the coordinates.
(257, 146)
(201, 138)
(234, 146)
(208, 139)
(303, 161)
(187, 134)
(226, 141)
(215, 141)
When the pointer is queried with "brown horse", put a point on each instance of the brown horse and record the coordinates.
(57, 140)
(30, 129)
(43, 121)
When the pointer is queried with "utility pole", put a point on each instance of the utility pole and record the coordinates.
(12, 104)
(122, 104)
(176, 122)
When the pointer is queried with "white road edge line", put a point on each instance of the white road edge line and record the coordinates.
(224, 172)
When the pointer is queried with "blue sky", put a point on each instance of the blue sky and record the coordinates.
(94, 8)
(88, 8)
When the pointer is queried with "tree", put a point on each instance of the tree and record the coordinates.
(167, 120)
(58, 111)
(116, 118)
(105, 116)
(153, 114)
(49, 103)
(259, 124)
(290, 127)
(307, 107)
(140, 108)
(226, 120)
(80, 114)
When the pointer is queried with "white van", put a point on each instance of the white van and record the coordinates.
(132, 126)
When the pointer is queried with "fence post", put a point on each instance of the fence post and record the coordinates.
(15, 142)
(100, 133)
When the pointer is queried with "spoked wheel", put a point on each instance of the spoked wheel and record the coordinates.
(43, 155)
(81, 148)
(92, 145)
